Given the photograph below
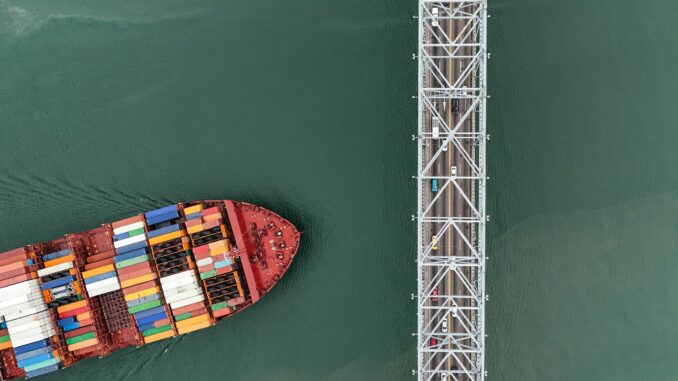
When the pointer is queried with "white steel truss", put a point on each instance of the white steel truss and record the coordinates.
(452, 92)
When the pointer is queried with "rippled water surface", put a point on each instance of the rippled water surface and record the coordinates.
(304, 107)
(301, 106)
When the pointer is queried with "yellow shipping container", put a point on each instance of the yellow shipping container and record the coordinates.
(138, 280)
(158, 336)
(98, 271)
(194, 320)
(166, 237)
(219, 250)
(72, 306)
(212, 217)
(142, 293)
(83, 316)
(54, 262)
(83, 344)
(193, 209)
(194, 229)
(194, 327)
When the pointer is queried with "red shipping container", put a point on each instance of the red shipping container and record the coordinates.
(79, 331)
(134, 274)
(201, 255)
(11, 259)
(14, 273)
(87, 350)
(85, 322)
(139, 287)
(201, 249)
(74, 312)
(161, 322)
(224, 270)
(212, 210)
(12, 266)
(196, 221)
(101, 256)
(17, 279)
(135, 268)
(210, 225)
(188, 308)
(101, 263)
(199, 311)
(13, 252)
(221, 312)
(206, 268)
(126, 221)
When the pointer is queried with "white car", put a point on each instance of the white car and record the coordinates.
(444, 325)
(453, 171)
(443, 376)
(434, 11)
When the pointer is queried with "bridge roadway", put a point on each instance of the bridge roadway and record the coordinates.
(450, 243)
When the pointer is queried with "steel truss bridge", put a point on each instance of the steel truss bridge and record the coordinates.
(451, 216)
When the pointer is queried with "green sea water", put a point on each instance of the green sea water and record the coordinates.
(305, 107)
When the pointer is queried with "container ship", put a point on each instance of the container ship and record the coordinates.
(154, 276)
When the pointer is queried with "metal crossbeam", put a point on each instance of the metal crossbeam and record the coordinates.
(451, 216)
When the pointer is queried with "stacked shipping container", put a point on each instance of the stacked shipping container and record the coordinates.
(170, 248)
(25, 315)
(100, 275)
(61, 290)
(212, 251)
(139, 280)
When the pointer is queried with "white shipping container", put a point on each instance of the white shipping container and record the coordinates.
(184, 295)
(31, 339)
(102, 283)
(32, 326)
(22, 288)
(187, 301)
(104, 290)
(26, 311)
(184, 288)
(178, 279)
(129, 241)
(127, 228)
(205, 261)
(26, 319)
(28, 300)
(55, 269)
(44, 330)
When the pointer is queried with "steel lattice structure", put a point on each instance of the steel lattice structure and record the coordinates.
(452, 57)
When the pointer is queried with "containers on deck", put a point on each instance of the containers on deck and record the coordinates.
(62, 291)
(26, 323)
(170, 248)
(137, 278)
(213, 254)
(170, 271)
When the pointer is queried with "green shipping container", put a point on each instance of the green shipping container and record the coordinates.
(135, 232)
(153, 331)
(208, 274)
(145, 306)
(4, 339)
(131, 261)
(80, 338)
(183, 316)
(219, 306)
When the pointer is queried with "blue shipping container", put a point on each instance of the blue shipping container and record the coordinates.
(157, 212)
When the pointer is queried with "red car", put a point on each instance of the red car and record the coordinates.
(435, 295)
(433, 342)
